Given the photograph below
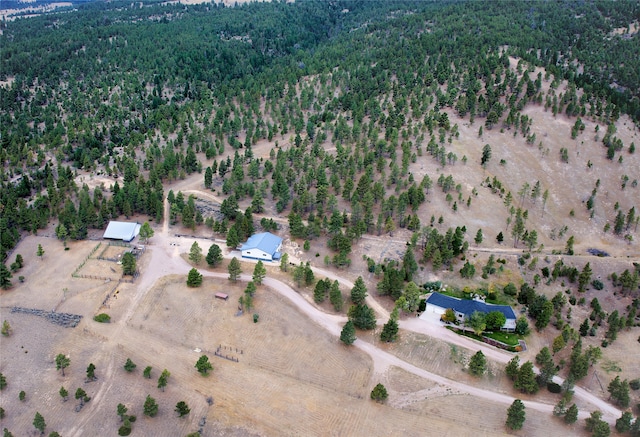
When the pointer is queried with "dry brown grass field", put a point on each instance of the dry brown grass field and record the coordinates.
(292, 377)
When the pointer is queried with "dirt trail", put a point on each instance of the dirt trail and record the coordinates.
(166, 261)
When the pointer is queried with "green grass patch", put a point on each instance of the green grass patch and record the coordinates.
(504, 337)
(102, 318)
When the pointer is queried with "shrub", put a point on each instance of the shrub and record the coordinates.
(553, 387)
(102, 318)
(634, 384)
(597, 284)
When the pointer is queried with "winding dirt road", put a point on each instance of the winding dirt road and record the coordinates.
(166, 259)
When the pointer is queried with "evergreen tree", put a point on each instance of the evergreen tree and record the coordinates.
(62, 362)
(259, 273)
(64, 394)
(348, 334)
(623, 423)
(162, 380)
(526, 380)
(335, 296)
(182, 409)
(91, 369)
(478, 364)
(547, 367)
(214, 255)
(39, 423)
(5, 277)
(203, 365)
(147, 372)
(150, 406)
(359, 291)
(584, 278)
(389, 332)
(379, 393)
(195, 253)
(40, 251)
(516, 415)
(320, 292)
(121, 410)
(194, 278)
(571, 416)
(129, 366)
(362, 316)
(129, 264)
(513, 366)
(234, 269)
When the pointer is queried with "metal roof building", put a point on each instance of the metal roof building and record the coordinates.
(265, 246)
(125, 231)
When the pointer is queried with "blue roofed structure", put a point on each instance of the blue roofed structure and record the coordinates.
(438, 303)
(264, 246)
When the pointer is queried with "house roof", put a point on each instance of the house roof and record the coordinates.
(467, 307)
(265, 241)
(126, 231)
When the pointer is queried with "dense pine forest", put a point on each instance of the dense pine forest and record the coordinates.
(148, 93)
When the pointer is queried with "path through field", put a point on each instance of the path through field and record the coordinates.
(166, 259)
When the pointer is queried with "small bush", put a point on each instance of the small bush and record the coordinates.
(597, 284)
(256, 317)
(553, 387)
(634, 384)
(102, 318)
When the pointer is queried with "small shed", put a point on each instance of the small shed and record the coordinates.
(223, 296)
(125, 231)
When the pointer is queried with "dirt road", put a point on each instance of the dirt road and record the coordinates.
(165, 259)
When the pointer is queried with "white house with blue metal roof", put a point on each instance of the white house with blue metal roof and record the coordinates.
(463, 308)
(264, 246)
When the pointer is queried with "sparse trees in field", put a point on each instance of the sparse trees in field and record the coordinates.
(234, 269)
(147, 372)
(478, 364)
(129, 366)
(515, 415)
(486, 155)
(214, 255)
(162, 380)
(91, 372)
(194, 278)
(182, 409)
(39, 423)
(6, 329)
(62, 362)
(150, 407)
(203, 365)
(81, 395)
(379, 393)
(122, 410)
